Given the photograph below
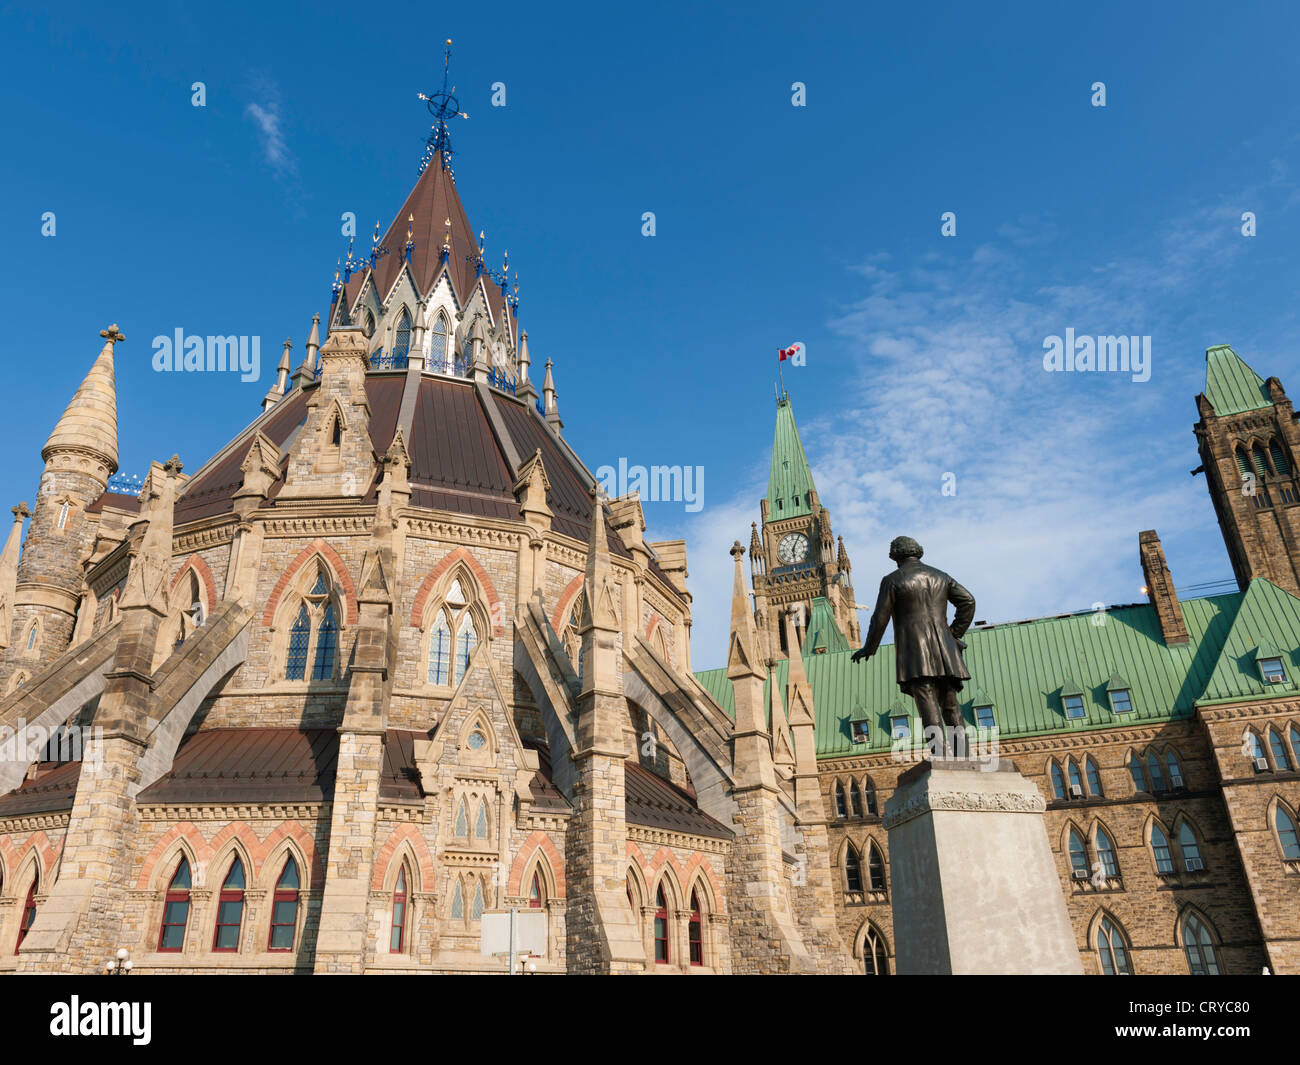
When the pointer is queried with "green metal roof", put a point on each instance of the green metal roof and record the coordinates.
(1230, 384)
(824, 635)
(1020, 669)
(790, 479)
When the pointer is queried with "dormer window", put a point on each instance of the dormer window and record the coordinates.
(984, 717)
(1272, 670)
(900, 727)
(1120, 702)
(1073, 706)
(858, 729)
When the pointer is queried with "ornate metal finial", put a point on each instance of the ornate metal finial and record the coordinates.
(442, 105)
(410, 238)
(338, 285)
(112, 334)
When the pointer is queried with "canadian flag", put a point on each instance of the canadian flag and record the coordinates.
(787, 353)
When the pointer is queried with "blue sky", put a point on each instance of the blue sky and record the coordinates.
(775, 223)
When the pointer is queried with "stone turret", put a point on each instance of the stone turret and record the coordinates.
(281, 386)
(9, 572)
(80, 456)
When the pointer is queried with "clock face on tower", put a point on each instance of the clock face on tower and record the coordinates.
(793, 548)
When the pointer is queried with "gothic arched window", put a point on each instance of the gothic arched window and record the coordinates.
(1106, 854)
(855, 799)
(869, 797)
(1135, 771)
(402, 336)
(695, 931)
(1275, 745)
(535, 894)
(1286, 834)
(841, 804)
(452, 638)
(661, 927)
(176, 910)
(1202, 959)
(1094, 777)
(28, 917)
(462, 819)
(284, 908)
(1078, 855)
(1175, 770)
(1160, 850)
(1076, 781)
(477, 906)
(852, 868)
(230, 909)
(875, 868)
(875, 960)
(397, 938)
(314, 635)
(438, 345)
(481, 823)
(1262, 466)
(1280, 464)
(1111, 950)
(1058, 782)
(572, 637)
(1155, 772)
(1192, 861)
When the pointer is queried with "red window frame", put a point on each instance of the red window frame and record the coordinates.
(29, 916)
(662, 953)
(177, 896)
(397, 940)
(229, 895)
(535, 891)
(281, 895)
(695, 934)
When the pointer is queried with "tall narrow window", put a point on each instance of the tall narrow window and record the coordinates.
(476, 907)
(284, 908)
(535, 891)
(458, 902)
(1078, 856)
(1110, 947)
(1155, 773)
(1275, 452)
(438, 345)
(327, 638)
(176, 910)
(1294, 736)
(695, 931)
(852, 869)
(1106, 854)
(462, 819)
(440, 650)
(402, 338)
(1094, 778)
(397, 938)
(1262, 466)
(841, 804)
(1175, 770)
(1202, 960)
(1058, 782)
(466, 640)
(63, 514)
(661, 927)
(1286, 834)
(28, 917)
(1135, 771)
(32, 633)
(875, 868)
(573, 635)
(336, 433)
(481, 823)
(299, 636)
(869, 798)
(1191, 852)
(1257, 756)
(1076, 781)
(855, 799)
(1278, 748)
(230, 909)
(875, 962)
(1160, 850)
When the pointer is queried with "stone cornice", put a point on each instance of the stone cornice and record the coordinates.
(35, 822)
(683, 840)
(299, 811)
(1013, 802)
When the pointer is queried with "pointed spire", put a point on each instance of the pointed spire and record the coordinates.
(742, 657)
(478, 348)
(525, 360)
(146, 580)
(90, 421)
(276, 392)
(9, 571)
(442, 105)
(549, 398)
(842, 557)
(306, 372)
(313, 340)
(1230, 384)
(790, 485)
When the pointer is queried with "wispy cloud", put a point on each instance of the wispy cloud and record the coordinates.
(267, 116)
(1055, 473)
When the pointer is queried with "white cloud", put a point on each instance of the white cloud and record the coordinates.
(267, 117)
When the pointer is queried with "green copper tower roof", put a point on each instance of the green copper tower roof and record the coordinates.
(1230, 384)
(790, 481)
(823, 634)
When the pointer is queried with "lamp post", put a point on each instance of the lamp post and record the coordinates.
(120, 965)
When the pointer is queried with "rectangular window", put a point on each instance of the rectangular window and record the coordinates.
(661, 940)
(284, 920)
(176, 912)
(984, 716)
(1272, 670)
(230, 911)
(901, 728)
(859, 729)
(1074, 706)
(1120, 702)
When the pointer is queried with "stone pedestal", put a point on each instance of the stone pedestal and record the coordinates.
(975, 888)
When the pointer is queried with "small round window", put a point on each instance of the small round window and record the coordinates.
(476, 740)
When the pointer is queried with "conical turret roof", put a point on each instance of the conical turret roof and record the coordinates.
(90, 421)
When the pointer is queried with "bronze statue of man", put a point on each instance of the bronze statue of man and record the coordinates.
(927, 649)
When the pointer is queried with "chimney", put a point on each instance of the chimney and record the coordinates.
(1160, 588)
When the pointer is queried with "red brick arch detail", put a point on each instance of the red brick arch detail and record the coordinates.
(196, 563)
(698, 861)
(306, 845)
(650, 628)
(331, 556)
(187, 831)
(663, 857)
(537, 841)
(565, 602)
(404, 834)
(47, 856)
(461, 554)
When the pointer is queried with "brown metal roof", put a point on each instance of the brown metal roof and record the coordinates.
(546, 796)
(116, 500)
(399, 781)
(653, 802)
(250, 765)
(456, 464)
(50, 789)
